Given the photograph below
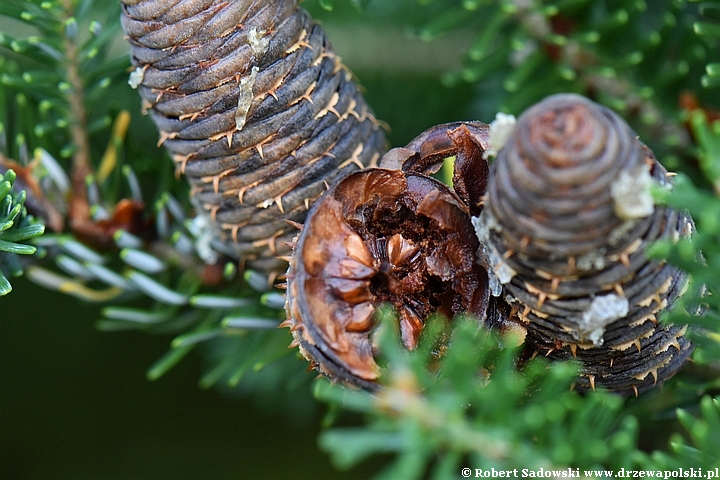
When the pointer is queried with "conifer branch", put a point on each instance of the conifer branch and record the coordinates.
(81, 165)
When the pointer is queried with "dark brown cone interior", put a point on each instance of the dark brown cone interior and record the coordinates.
(380, 236)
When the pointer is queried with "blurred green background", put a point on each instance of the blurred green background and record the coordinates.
(75, 404)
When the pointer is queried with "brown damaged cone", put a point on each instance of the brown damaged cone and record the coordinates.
(568, 219)
(256, 110)
(389, 235)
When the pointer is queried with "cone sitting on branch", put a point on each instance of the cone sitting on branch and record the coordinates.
(256, 110)
(567, 222)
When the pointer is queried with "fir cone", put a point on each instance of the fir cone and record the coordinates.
(256, 110)
(393, 236)
(567, 222)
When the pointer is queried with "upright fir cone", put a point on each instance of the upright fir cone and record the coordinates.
(567, 221)
(256, 110)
